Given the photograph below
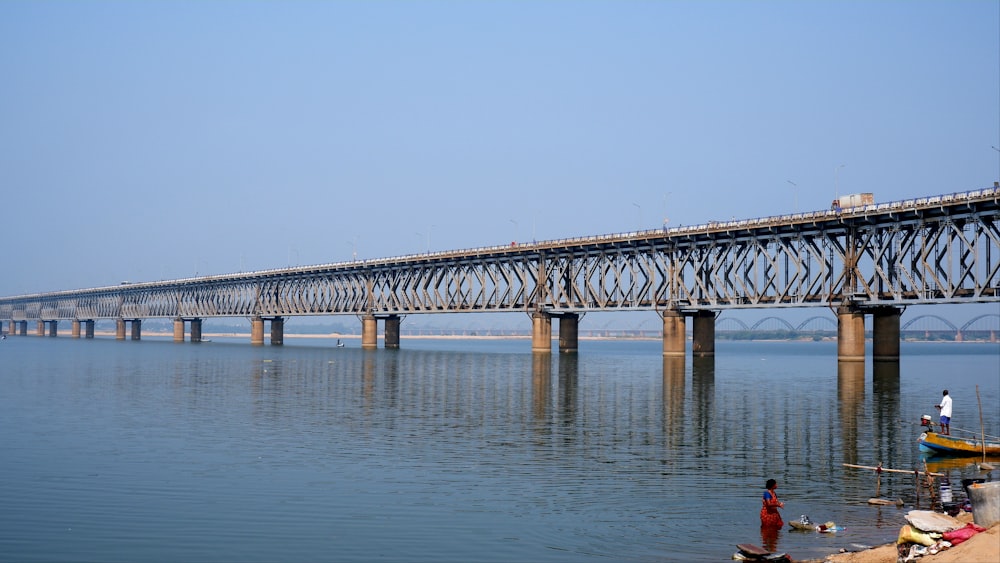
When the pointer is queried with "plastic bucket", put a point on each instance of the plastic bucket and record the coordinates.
(985, 499)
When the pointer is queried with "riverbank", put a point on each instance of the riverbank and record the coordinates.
(983, 547)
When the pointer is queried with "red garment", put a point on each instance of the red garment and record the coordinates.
(769, 515)
(958, 536)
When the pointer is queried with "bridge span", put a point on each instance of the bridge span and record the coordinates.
(873, 259)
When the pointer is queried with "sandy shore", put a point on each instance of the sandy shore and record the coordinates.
(983, 547)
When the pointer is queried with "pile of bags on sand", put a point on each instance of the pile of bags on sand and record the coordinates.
(929, 532)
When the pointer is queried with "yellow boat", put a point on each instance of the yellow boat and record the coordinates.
(941, 444)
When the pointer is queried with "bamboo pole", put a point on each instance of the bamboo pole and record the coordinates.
(890, 470)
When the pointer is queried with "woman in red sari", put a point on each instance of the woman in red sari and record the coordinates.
(769, 516)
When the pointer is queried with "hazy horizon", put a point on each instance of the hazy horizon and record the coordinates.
(165, 140)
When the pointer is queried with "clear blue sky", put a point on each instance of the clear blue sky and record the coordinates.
(156, 140)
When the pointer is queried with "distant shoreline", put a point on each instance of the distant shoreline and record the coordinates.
(334, 336)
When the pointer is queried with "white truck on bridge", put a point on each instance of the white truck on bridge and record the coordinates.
(853, 200)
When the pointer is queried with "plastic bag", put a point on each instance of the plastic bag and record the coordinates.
(909, 534)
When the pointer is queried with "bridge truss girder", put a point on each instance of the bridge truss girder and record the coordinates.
(945, 250)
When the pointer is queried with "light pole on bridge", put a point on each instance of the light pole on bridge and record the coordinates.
(354, 249)
(428, 238)
(795, 192)
(836, 181)
(666, 218)
(998, 162)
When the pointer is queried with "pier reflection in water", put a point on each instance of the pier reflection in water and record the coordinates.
(451, 450)
(674, 382)
(850, 398)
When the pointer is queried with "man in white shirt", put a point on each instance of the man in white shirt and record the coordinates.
(945, 408)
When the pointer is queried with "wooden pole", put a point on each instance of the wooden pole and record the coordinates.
(982, 428)
(878, 482)
(878, 479)
(930, 483)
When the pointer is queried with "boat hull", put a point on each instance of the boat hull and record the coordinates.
(940, 444)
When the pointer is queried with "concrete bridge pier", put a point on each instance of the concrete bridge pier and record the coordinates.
(277, 331)
(84, 328)
(703, 334)
(674, 334)
(850, 334)
(392, 332)
(257, 331)
(885, 334)
(179, 329)
(119, 329)
(569, 333)
(369, 332)
(49, 327)
(22, 328)
(541, 332)
(136, 329)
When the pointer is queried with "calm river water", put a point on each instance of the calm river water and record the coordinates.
(456, 450)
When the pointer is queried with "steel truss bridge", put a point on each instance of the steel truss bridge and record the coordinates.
(928, 250)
